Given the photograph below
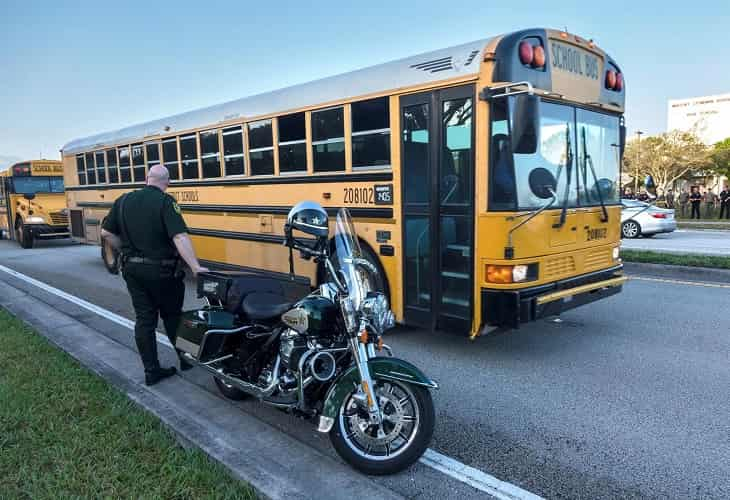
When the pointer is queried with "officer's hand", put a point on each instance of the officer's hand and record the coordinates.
(199, 270)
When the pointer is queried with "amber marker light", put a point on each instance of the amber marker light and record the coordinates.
(499, 274)
(538, 57)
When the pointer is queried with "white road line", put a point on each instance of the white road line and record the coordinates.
(115, 318)
(680, 282)
(452, 468)
(475, 478)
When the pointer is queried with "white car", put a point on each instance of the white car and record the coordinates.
(642, 219)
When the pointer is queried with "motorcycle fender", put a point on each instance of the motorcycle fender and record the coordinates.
(381, 368)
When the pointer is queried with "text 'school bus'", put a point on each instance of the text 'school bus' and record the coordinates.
(483, 178)
(32, 202)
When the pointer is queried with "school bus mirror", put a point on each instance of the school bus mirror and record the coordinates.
(542, 183)
(29, 196)
(526, 124)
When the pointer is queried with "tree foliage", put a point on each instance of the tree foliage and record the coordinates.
(720, 158)
(667, 157)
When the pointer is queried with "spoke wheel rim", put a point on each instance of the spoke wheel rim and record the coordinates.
(631, 229)
(397, 432)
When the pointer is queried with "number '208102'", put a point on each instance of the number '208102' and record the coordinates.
(359, 195)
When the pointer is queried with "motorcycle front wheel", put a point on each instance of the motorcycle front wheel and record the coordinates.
(398, 442)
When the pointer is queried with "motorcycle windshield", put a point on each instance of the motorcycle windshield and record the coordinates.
(348, 250)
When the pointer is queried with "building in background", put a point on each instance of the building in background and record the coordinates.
(709, 118)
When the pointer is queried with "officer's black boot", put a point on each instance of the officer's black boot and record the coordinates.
(151, 377)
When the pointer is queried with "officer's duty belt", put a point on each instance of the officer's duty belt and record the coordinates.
(157, 262)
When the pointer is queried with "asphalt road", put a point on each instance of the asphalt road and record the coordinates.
(626, 398)
(708, 242)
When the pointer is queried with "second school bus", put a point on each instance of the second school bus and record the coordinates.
(483, 178)
(32, 203)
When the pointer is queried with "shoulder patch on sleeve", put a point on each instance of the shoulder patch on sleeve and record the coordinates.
(176, 207)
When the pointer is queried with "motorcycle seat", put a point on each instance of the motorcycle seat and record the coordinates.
(263, 306)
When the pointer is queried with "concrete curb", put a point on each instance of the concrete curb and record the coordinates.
(687, 273)
(277, 465)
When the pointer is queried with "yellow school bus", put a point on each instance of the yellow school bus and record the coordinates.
(32, 202)
(483, 178)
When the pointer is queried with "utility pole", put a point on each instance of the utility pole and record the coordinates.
(638, 159)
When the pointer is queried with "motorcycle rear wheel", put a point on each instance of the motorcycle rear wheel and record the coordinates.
(401, 439)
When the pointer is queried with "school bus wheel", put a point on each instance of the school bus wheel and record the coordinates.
(23, 235)
(380, 281)
(110, 257)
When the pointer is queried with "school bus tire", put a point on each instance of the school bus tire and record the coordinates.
(371, 256)
(23, 235)
(110, 257)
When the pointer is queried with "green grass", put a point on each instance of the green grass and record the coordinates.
(66, 433)
(692, 260)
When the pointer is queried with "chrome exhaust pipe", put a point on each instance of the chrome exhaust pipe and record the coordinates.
(248, 388)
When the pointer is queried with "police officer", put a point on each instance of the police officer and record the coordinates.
(695, 199)
(683, 202)
(148, 229)
(725, 203)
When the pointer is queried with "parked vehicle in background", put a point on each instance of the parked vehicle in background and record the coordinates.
(32, 202)
(642, 219)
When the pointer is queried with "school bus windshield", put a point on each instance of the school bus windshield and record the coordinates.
(577, 146)
(33, 185)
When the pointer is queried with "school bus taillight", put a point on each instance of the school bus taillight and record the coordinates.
(614, 80)
(532, 55)
(21, 170)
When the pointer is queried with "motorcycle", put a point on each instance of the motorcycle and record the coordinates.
(321, 358)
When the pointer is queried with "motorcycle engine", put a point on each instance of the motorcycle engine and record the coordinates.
(292, 346)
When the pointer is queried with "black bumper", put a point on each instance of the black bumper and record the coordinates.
(510, 308)
(48, 232)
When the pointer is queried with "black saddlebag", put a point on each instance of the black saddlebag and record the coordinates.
(230, 289)
(207, 333)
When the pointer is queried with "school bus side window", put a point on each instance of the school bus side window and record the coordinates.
(90, 169)
(125, 171)
(233, 151)
(292, 143)
(328, 140)
(138, 168)
(189, 152)
(169, 156)
(210, 153)
(261, 148)
(81, 169)
(371, 133)
(100, 167)
(111, 162)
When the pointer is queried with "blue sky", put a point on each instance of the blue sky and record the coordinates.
(70, 69)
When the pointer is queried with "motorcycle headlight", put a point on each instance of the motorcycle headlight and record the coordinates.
(34, 219)
(376, 309)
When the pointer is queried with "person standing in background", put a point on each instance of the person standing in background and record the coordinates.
(725, 203)
(710, 200)
(695, 199)
(683, 201)
(670, 198)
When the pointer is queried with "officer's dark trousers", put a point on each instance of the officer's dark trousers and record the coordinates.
(155, 293)
(695, 210)
(725, 209)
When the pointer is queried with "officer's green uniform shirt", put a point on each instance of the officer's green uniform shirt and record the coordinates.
(152, 219)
